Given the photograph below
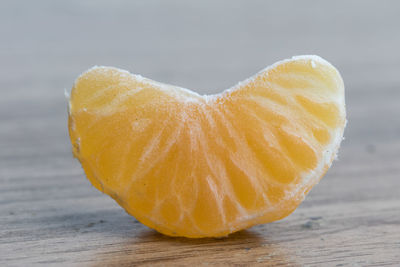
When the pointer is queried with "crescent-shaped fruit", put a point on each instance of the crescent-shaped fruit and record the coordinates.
(208, 165)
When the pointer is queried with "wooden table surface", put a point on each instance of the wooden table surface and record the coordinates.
(49, 212)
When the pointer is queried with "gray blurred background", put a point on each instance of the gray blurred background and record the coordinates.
(206, 46)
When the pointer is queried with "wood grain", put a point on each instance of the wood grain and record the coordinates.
(50, 214)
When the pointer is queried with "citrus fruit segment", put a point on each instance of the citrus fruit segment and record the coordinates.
(202, 166)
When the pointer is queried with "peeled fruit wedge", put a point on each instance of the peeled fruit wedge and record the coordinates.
(208, 165)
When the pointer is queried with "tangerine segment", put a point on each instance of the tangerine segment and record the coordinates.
(202, 166)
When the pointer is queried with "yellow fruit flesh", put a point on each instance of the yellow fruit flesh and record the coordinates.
(196, 166)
